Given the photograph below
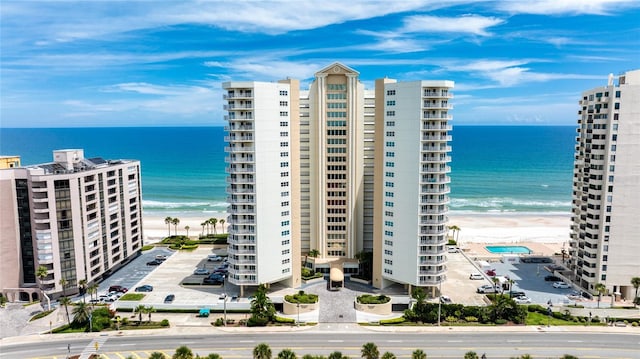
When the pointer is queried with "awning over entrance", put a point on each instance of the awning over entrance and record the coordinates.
(336, 275)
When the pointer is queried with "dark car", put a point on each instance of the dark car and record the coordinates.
(552, 278)
(214, 281)
(144, 288)
(516, 294)
(169, 298)
(154, 262)
(117, 288)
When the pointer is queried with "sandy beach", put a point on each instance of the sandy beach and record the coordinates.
(474, 228)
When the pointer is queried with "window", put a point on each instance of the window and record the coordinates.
(391, 113)
(284, 154)
(284, 204)
(388, 233)
(388, 174)
(616, 105)
(391, 103)
(284, 194)
(389, 164)
(284, 103)
(388, 213)
(388, 242)
(391, 92)
(284, 184)
(388, 184)
(617, 94)
(285, 233)
(284, 134)
(388, 223)
(390, 154)
(284, 213)
(391, 123)
(388, 204)
(390, 144)
(284, 174)
(284, 123)
(388, 194)
(284, 144)
(284, 93)
(391, 133)
(284, 164)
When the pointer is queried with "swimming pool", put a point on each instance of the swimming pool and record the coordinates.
(508, 249)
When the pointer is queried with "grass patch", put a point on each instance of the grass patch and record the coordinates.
(373, 299)
(534, 318)
(132, 296)
(148, 247)
(302, 298)
(41, 315)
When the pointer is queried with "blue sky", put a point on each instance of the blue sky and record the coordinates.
(161, 63)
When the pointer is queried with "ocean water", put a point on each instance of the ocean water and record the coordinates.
(495, 169)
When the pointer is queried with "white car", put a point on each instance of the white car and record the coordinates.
(484, 289)
(476, 276)
(522, 300)
(561, 285)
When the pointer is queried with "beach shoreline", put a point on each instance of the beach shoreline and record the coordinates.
(474, 227)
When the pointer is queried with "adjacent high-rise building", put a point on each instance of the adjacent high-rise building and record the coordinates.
(344, 177)
(604, 242)
(79, 218)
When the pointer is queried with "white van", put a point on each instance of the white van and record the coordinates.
(214, 258)
(476, 276)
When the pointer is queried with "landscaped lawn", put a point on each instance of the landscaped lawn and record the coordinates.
(534, 318)
(132, 296)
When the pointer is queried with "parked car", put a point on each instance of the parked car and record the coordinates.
(144, 288)
(517, 294)
(561, 285)
(552, 278)
(522, 300)
(445, 299)
(213, 280)
(154, 262)
(476, 276)
(169, 298)
(201, 271)
(115, 295)
(106, 299)
(161, 257)
(490, 272)
(214, 258)
(484, 289)
(452, 250)
(118, 288)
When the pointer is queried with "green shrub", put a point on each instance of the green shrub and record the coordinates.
(451, 319)
(634, 324)
(471, 319)
(148, 247)
(501, 321)
(284, 320)
(536, 308)
(189, 246)
(558, 315)
(132, 296)
(451, 242)
(373, 299)
(392, 321)
(255, 321)
(302, 298)
(164, 322)
(41, 315)
(219, 322)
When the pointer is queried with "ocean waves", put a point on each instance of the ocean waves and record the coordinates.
(508, 205)
(161, 208)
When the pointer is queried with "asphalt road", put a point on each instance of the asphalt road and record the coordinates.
(325, 340)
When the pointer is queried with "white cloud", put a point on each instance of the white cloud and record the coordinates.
(264, 69)
(469, 24)
(571, 7)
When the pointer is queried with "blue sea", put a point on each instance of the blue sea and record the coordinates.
(495, 169)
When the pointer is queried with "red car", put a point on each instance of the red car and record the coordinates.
(118, 288)
(491, 272)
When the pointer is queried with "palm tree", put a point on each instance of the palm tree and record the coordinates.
(42, 272)
(212, 356)
(157, 355)
(635, 282)
(418, 354)
(187, 228)
(370, 351)
(183, 352)
(337, 355)
(388, 355)
(214, 222)
(63, 283)
(495, 281)
(601, 289)
(148, 310)
(286, 354)
(168, 221)
(81, 313)
(82, 283)
(175, 222)
(261, 305)
(140, 309)
(203, 224)
(66, 301)
(262, 351)
(221, 221)
(92, 289)
(455, 229)
(470, 355)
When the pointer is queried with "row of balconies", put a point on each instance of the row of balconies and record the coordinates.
(434, 158)
(437, 104)
(240, 169)
(436, 138)
(437, 93)
(235, 106)
(441, 199)
(238, 149)
(238, 159)
(439, 169)
(238, 95)
(238, 138)
(439, 179)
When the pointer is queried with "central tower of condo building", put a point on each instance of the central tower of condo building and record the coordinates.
(338, 178)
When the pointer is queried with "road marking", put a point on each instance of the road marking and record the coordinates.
(454, 341)
(336, 341)
(126, 345)
(514, 341)
(394, 341)
(574, 341)
(245, 341)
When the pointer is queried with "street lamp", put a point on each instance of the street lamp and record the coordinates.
(298, 305)
(439, 300)
(224, 289)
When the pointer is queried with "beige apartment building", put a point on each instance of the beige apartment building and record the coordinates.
(604, 245)
(331, 146)
(78, 217)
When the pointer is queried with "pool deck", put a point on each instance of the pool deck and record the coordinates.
(478, 251)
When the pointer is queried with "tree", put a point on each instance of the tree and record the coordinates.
(568, 356)
(601, 289)
(42, 272)
(63, 283)
(81, 313)
(262, 351)
(261, 305)
(337, 355)
(212, 356)
(470, 355)
(203, 224)
(635, 282)
(418, 354)
(183, 352)
(92, 289)
(168, 221)
(388, 355)
(82, 283)
(369, 351)
(221, 221)
(140, 309)
(214, 223)
(175, 222)
(286, 354)
(66, 301)
(157, 355)
(187, 228)
(148, 310)
(456, 230)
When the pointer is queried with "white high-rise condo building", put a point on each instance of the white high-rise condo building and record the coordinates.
(604, 242)
(79, 218)
(320, 178)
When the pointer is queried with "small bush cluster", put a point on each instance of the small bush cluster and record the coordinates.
(392, 321)
(373, 299)
(302, 298)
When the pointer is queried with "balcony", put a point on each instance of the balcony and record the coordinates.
(441, 200)
(434, 242)
(238, 106)
(429, 148)
(234, 95)
(431, 281)
(438, 105)
(238, 149)
(236, 159)
(234, 189)
(240, 180)
(436, 93)
(433, 211)
(445, 190)
(240, 200)
(436, 138)
(437, 127)
(433, 231)
(439, 180)
(238, 138)
(443, 169)
(432, 262)
(237, 128)
(231, 210)
(435, 159)
(232, 170)
(434, 221)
